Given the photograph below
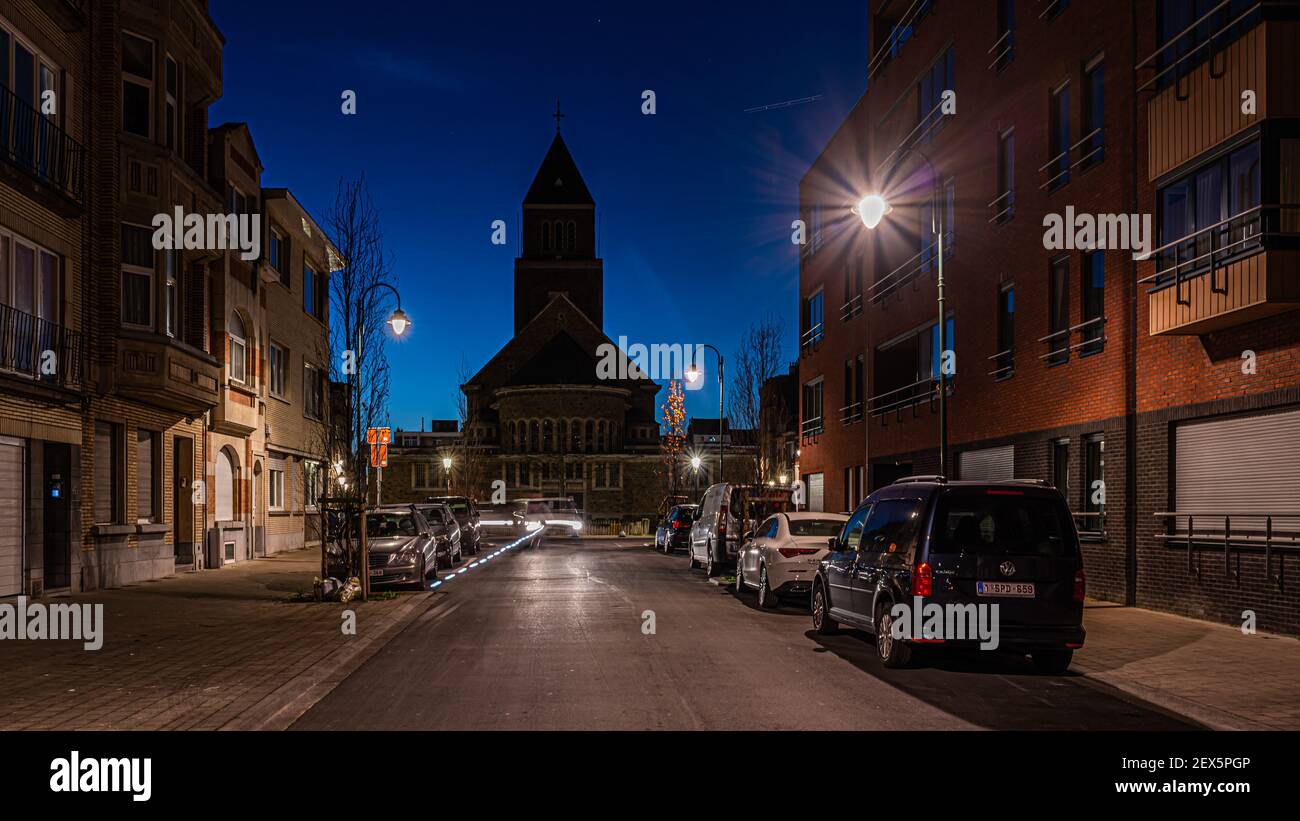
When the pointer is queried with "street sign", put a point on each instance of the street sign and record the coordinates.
(385, 436)
(372, 435)
(379, 456)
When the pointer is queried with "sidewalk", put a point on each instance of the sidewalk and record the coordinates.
(220, 649)
(1209, 672)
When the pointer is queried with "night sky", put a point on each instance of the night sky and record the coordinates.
(453, 118)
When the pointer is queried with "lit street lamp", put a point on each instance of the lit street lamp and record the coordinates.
(872, 209)
(693, 374)
(399, 322)
(446, 468)
(695, 466)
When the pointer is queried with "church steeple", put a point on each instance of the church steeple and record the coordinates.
(558, 181)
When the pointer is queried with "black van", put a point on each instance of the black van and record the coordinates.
(925, 540)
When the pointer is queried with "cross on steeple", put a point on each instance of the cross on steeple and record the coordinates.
(558, 115)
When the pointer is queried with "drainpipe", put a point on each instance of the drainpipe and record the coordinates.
(1130, 370)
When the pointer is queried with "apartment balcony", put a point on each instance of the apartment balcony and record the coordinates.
(1227, 274)
(907, 401)
(236, 413)
(811, 339)
(39, 158)
(1091, 338)
(162, 371)
(1198, 77)
(44, 352)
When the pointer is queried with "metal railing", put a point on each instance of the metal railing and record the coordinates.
(1212, 246)
(1277, 532)
(901, 33)
(1005, 48)
(1051, 7)
(40, 349)
(919, 134)
(1062, 353)
(812, 426)
(1096, 533)
(1208, 42)
(1005, 362)
(1008, 208)
(908, 396)
(1062, 161)
(38, 147)
(851, 308)
(812, 337)
(851, 413)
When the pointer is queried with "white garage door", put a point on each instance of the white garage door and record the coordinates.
(11, 516)
(989, 464)
(1244, 464)
(816, 491)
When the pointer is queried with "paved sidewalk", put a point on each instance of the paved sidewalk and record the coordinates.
(221, 649)
(1211, 673)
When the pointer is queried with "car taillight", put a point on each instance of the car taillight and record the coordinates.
(722, 522)
(791, 552)
(1080, 585)
(678, 524)
(923, 580)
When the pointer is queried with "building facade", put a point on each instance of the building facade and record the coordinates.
(1136, 384)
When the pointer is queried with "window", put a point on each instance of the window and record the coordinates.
(1004, 362)
(147, 459)
(108, 472)
(1004, 50)
(939, 347)
(852, 535)
(1191, 205)
(813, 320)
(172, 304)
(605, 475)
(853, 379)
(1004, 207)
(275, 486)
(137, 276)
(171, 116)
(573, 235)
(275, 252)
(890, 527)
(546, 235)
(1094, 108)
(313, 291)
(1177, 17)
(813, 424)
(943, 221)
(852, 290)
(137, 85)
(29, 281)
(1061, 467)
(236, 369)
(310, 484)
(312, 391)
(1094, 304)
(1058, 128)
(278, 363)
(1059, 311)
(1094, 482)
(32, 75)
(929, 94)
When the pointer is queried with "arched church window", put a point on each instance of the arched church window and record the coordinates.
(546, 235)
(548, 433)
(573, 235)
(588, 443)
(535, 437)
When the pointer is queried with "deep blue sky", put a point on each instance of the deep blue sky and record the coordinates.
(453, 119)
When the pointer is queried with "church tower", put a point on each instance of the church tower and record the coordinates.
(559, 240)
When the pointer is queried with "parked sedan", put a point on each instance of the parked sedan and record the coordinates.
(467, 517)
(674, 529)
(781, 556)
(403, 546)
(446, 528)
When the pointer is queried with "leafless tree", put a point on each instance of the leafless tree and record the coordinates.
(358, 311)
(757, 360)
(467, 456)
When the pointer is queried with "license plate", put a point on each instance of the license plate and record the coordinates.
(1024, 590)
(374, 573)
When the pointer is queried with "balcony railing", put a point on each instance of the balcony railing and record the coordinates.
(1003, 206)
(851, 413)
(923, 262)
(1004, 364)
(1091, 525)
(1089, 149)
(851, 308)
(1051, 7)
(1004, 50)
(1232, 532)
(812, 337)
(39, 349)
(1209, 248)
(813, 426)
(899, 34)
(909, 396)
(1187, 52)
(919, 134)
(39, 148)
(1094, 339)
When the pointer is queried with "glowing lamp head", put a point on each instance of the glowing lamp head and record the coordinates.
(695, 462)
(399, 322)
(446, 463)
(783, 478)
(693, 374)
(871, 209)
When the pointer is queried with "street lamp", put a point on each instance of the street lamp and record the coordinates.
(399, 322)
(695, 373)
(872, 209)
(695, 466)
(446, 468)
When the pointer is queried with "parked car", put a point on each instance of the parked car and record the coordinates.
(780, 557)
(467, 516)
(403, 546)
(502, 521)
(726, 511)
(450, 536)
(554, 516)
(674, 528)
(959, 543)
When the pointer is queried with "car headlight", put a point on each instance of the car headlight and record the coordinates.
(534, 525)
(577, 525)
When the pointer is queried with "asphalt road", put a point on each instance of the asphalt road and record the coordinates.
(552, 639)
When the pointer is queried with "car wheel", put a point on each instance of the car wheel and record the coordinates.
(460, 555)
(443, 562)
(740, 575)
(891, 651)
(766, 598)
(1052, 662)
(690, 552)
(422, 574)
(823, 624)
(710, 566)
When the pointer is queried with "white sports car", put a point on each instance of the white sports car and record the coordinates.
(780, 557)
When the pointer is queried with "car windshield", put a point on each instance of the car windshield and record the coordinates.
(815, 527)
(433, 514)
(683, 513)
(1003, 522)
(381, 525)
(755, 505)
(500, 511)
(459, 507)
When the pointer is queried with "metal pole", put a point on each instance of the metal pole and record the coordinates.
(936, 220)
(365, 557)
(721, 393)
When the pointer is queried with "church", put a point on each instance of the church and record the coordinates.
(540, 415)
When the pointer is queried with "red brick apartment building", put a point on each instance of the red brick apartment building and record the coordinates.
(1163, 385)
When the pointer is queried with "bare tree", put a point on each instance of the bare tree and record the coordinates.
(358, 310)
(467, 454)
(757, 360)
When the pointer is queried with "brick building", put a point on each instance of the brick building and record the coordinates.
(1137, 386)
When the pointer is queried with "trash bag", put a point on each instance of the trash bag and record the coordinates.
(350, 591)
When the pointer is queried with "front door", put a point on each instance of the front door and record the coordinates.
(183, 499)
(57, 516)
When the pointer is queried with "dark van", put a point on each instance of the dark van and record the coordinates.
(928, 540)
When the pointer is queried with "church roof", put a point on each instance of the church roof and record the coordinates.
(558, 181)
(561, 361)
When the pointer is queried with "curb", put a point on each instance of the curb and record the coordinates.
(1212, 718)
(289, 701)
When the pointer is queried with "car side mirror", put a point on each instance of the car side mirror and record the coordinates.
(749, 534)
(833, 544)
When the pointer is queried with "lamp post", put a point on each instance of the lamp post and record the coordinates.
(400, 323)
(693, 375)
(873, 208)
(695, 466)
(446, 468)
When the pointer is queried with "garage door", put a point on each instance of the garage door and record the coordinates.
(1243, 464)
(11, 516)
(989, 464)
(816, 491)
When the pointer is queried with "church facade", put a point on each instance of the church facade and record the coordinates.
(542, 417)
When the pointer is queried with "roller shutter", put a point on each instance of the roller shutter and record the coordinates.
(989, 464)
